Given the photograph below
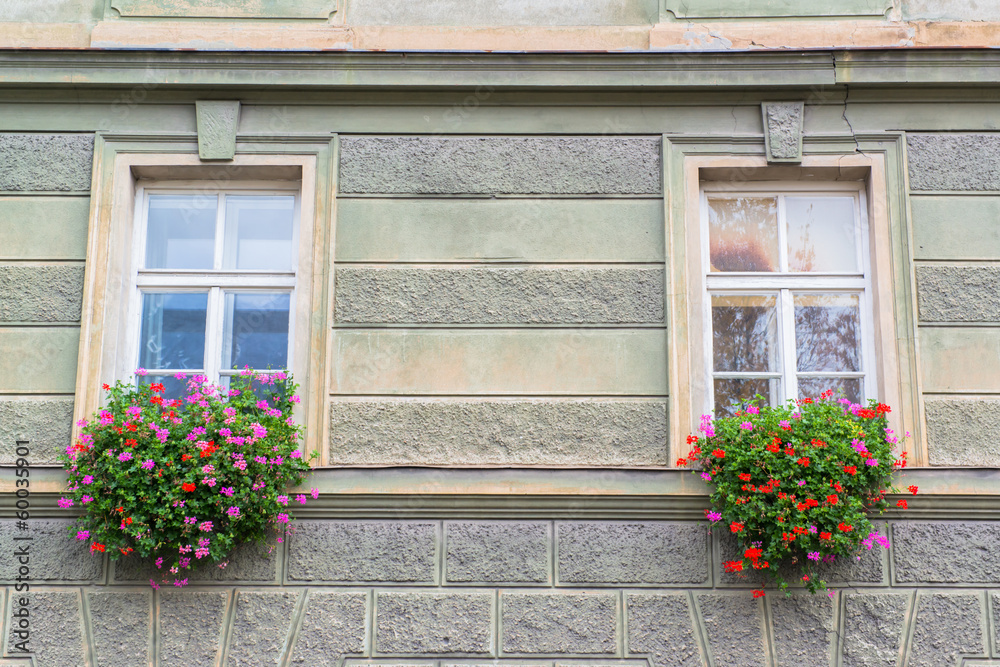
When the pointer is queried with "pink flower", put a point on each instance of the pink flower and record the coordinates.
(713, 516)
(233, 511)
(87, 479)
(208, 481)
(205, 527)
(801, 482)
(125, 456)
(208, 469)
(241, 464)
(201, 552)
(295, 399)
(82, 422)
(263, 405)
(226, 491)
(753, 410)
(813, 555)
(65, 502)
(296, 454)
(203, 541)
(86, 499)
(871, 462)
(159, 563)
(705, 476)
(314, 493)
(148, 464)
(747, 426)
(185, 550)
(155, 585)
(140, 371)
(83, 535)
(282, 499)
(301, 498)
(282, 518)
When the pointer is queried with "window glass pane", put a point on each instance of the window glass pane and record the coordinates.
(827, 332)
(821, 234)
(172, 387)
(259, 232)
(743, 233)
(729, 390)
(256, 330)
(744, 334)
(180, 232)
(173, 330)
(812, 387)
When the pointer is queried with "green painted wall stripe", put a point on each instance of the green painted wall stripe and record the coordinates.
(38, 359)
(520, 362)
(732, 9)
(960, 360)
(44, 227)
(956, 227)
(503, 12)
(508, 230)
(270, 9)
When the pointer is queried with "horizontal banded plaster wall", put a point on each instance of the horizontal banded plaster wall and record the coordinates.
(955, 204)
(436, 593)
(499, 301)
(44, 210)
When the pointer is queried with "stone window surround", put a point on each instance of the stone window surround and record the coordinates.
(895, 351)
(105, 333)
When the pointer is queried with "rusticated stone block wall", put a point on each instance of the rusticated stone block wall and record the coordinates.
(499, 301)
(44, 206)
(513, 592)
(955, 200)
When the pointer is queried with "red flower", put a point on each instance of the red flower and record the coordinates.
(131, 442)
(758, 594)
(901, 503)
(789, 451)
(157, 387)
(691, 439)
(804, 461)
(882, 408)
(187, 486)
(845, 527)
(128, 521)
(912, 489)
(97, 546)
(732, 566)
(185, 457)
(773, 448)
(851, 470)
(802, 507)
(832, 500)
(753, 554)
(156, 400)
(718, 453)
(825, 536)
(735, 527)
(745, 476)
(681, 463)
(105, 387)
(812, 502)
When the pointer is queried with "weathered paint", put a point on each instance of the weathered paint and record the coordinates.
(262, 9)
(702, 9)
(38, 359)
(960, 359)
(955, 227)
(37, 228)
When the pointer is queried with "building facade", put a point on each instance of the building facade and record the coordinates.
(512, 251)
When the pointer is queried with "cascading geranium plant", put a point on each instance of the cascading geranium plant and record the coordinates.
(795, 484)
(184, 481)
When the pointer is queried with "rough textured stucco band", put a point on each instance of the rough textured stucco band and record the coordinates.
(958, 293)
(954, 161)
(41, 293)
(500, 295)
(497, 432)
(45, 423)
(963, 432)
(46, 162)
(500, 165)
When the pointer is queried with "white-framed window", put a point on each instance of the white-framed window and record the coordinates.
(213, 280)
(788, 306)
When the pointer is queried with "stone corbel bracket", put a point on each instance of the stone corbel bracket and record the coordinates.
(217, 122)
(783, 130)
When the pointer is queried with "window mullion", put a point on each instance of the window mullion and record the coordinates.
(786, 313)
(213, 337)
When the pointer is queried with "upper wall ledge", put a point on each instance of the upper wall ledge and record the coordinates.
(555, 71)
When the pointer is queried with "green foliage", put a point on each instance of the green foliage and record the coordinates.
(185, 481)
(795, 484)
